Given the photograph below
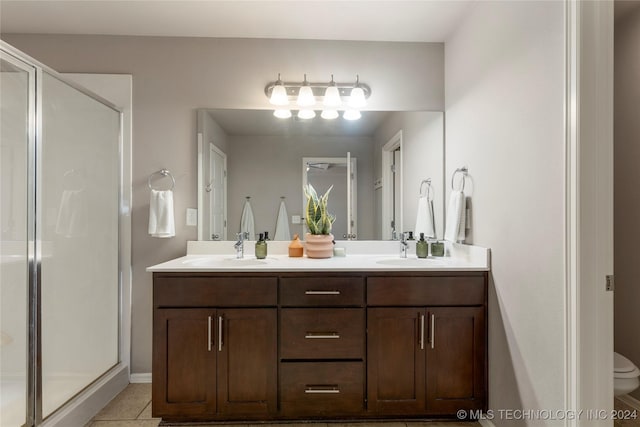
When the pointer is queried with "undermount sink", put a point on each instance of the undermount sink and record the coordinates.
(411, 262)
(217, 261)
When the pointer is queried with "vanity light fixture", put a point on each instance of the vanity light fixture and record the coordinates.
(351, 115)
(357, 98)
(306, 113)
(305, 95)
(282, 113)
(279, 94)
(332, 96)
(329, 114)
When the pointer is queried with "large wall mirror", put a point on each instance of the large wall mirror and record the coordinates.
(250, 156)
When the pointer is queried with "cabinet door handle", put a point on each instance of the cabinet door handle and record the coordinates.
(321, 335)
(220, 320)
(322, 389)
(209, 334)
(433, 330)
(322, 292)
(422, 332)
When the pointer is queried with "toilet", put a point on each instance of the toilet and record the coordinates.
(625, 375)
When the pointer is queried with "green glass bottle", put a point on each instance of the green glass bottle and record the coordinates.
(261, 247)
(437, 249)
(422, 247)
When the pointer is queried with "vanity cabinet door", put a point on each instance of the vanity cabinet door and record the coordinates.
(247, 361)
(184, 363)
(396, 360)
(455, 359)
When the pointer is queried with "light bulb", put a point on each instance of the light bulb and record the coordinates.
(329, 114)
(282, 114)
(332, 95)
(279, 93)
(357, 100)
(305, 95)
(351, 115)
(306, 114)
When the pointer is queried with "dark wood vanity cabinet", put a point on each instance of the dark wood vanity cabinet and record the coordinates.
(214, 362)
(429, 358)
(270, 346)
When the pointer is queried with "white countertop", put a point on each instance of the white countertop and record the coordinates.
(361, 256)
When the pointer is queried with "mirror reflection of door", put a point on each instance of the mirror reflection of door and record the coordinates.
(324, 172)
(396, 173)
(217, 193)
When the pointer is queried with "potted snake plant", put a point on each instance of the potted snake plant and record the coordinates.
(319, 240)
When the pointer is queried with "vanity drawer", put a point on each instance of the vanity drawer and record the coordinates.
(323, 388)
(432, 290)
(322, 333)
(321, 291)
(215, 291)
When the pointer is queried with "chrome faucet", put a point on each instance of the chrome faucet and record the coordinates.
(403, 244)
(239, 245)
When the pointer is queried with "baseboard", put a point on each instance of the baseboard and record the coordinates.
(629, 400)
(486, 423)
(140, 378)
(90, 401)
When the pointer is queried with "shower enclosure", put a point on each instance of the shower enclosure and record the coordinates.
(59, 228)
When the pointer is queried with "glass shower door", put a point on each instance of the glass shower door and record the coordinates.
(16, 82)
(78, 211)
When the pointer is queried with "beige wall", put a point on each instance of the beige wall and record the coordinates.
(172, 77)
(626, 194)
(267, 167)
(504, 71)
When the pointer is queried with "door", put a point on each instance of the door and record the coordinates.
(247, 363)
(455, 353)
(217, 193)
(396, 360)
(184, 363)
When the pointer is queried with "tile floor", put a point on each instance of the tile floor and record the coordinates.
(132, 408)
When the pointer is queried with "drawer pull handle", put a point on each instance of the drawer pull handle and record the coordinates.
(321, 335)
(316, 389)
(322, 292)
(220, 332)
(433, 330)
(422, 332)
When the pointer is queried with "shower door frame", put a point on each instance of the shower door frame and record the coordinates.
(36, 72)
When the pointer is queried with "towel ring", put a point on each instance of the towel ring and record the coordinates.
(164, 173)
(463, 170)
(429, 194)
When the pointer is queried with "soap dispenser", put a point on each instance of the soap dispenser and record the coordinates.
(422, 247)
(261, 247)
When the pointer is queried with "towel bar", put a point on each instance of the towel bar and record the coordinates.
(164, 173)
(463, 170)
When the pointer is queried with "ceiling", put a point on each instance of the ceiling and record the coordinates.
(367, 20)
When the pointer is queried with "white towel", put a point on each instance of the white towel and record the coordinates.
(424, 218)
(456, 212)
(282, 224)
(73, 216)
(246, 221)
(161, 222)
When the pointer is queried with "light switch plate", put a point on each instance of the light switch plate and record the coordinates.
(295, 219)
(192, 217)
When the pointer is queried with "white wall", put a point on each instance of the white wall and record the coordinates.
(172, 77)
(504, 119)
(626, 194)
